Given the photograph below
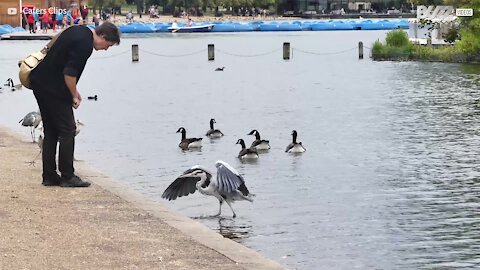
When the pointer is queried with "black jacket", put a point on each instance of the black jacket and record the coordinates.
(68, 56)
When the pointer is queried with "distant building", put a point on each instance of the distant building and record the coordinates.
(327, 6)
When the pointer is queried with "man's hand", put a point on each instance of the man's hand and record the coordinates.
(77, 100)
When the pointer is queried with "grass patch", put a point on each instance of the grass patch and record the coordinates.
(397, 47)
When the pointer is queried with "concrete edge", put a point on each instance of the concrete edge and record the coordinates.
(241, 255)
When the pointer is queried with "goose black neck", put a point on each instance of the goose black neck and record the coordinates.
(242, 143)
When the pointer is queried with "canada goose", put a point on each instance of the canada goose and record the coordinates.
(93, 97)
(246, 153)
(259, 144)
(32, 120)
(228, 186)
(219, 68)
(186, 143)
(213, 133)
(295, 147)
(13, 86)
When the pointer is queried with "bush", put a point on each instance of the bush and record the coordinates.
(469, 44)
(397, 38)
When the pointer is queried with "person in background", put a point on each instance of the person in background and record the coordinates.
(45, 19)
(96, 21)
(84, 13)
(54, 83)
(31, 23)
(54, 21)
(60, 20)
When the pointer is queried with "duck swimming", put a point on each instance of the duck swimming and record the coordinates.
(212, 132)
(295, 147)
(187, 143)
(259, 144)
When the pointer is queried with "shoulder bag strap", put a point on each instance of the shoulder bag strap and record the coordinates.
(50, 44)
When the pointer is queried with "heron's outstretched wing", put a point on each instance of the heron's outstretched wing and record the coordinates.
(228, 179)
(185, 184)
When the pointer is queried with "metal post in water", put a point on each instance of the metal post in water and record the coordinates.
(360, 50)
(211, 52)
(286, 51)
(135, 56)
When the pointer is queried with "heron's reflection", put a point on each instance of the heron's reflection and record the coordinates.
(228, 229)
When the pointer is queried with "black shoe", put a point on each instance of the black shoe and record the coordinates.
(54, 181)
(74, 181)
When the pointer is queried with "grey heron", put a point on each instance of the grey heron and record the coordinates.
(40, 145)
(229, 186)
(32, 120)
(78, 125)
(246, 153)
(187, 143)
(212, 132)
(294, 146)
(259, 144)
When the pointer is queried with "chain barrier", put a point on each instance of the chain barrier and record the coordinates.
(176, 55)
(113, 55)
(316, 53)
(216, 49)
(248, 55)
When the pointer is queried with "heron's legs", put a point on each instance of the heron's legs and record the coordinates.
(234, 215)
(32, 132)
(35, 158)
(219, 208)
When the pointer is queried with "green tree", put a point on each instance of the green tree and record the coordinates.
(469, 27)
(101, 4)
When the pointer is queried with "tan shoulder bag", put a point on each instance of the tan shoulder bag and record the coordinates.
(30, 62)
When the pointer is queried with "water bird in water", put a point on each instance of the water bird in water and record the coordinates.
(13, 86)
(229, 186)
(219, 68)
(187, 143)
(295, 147)
(259, 144)
(212, 132)
(32, 120)
(93, 97)
(246, 153)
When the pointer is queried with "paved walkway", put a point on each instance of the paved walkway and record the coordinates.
(104, 226)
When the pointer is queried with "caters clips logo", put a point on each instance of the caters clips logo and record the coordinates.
(40, 11)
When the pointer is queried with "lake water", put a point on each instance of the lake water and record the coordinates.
(390, 178)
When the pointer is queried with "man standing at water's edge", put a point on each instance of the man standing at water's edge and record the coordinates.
(54, 84)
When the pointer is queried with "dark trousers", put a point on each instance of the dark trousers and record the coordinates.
(31, 26)
(59, 127)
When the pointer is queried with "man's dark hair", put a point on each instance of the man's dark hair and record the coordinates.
(109, 31)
